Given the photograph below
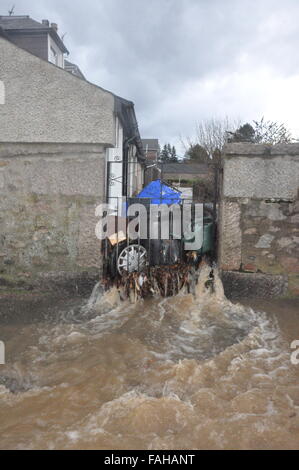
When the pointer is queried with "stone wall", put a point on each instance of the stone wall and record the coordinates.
(47, 221)
(54, 131)
(259, 218)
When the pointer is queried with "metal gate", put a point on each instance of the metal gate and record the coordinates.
(123, 255)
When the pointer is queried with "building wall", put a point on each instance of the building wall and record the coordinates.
(151, 155)
(59, 54)
(37, 44)
(135, 173)
(47, 104)
(49, 193)
(2, 92)
(54, 134)
(259, 216)
(56, 131)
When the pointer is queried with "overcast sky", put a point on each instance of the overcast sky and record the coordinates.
(182, 61)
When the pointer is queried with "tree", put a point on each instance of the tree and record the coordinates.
(168, 154)
(203, 190)
(271, 132)
(245, 133)
(262, 132)
(211, 134)
(197, 154)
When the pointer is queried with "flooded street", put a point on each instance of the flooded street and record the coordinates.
(186, 372)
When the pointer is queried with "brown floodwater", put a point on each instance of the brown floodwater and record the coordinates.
(186, 372)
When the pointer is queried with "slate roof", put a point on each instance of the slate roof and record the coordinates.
(150, 144)
(3, 33)
(25, 24)
(19, 22)
(73, 69)
(126, 112)
(185, 168)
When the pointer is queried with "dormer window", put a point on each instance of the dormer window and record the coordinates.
(41, 39)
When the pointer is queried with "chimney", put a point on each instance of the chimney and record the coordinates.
(45, 22)
(54, 26)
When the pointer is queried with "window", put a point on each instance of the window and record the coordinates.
(53, 56)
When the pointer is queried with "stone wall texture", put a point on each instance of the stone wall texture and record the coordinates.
(54, 132)
(259, 216)
(44, 103)
(49, 193)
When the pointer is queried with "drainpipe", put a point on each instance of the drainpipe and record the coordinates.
(126, 164)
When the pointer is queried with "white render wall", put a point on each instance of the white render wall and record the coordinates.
(60, 56)
(44, 103)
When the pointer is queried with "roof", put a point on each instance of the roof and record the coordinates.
(185, 168)
(3, 33)
(26, 25)
(125, 110)
(19, 22)
(73, 68)
(151, 144)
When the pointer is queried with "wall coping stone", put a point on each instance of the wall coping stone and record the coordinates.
(11, 150)
(252, 150)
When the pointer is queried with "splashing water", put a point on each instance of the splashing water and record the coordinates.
(192, 371)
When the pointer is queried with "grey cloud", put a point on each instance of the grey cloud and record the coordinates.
(154, 51)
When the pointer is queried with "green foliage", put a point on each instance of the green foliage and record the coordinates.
(168, 154)
(245, 133)
(197, 154)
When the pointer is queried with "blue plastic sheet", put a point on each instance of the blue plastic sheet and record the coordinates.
(160, 193)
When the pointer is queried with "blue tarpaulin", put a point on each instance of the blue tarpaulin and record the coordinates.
(160, 193)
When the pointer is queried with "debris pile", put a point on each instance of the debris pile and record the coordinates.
(160, 281)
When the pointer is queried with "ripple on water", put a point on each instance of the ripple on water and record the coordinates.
(185, 372)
